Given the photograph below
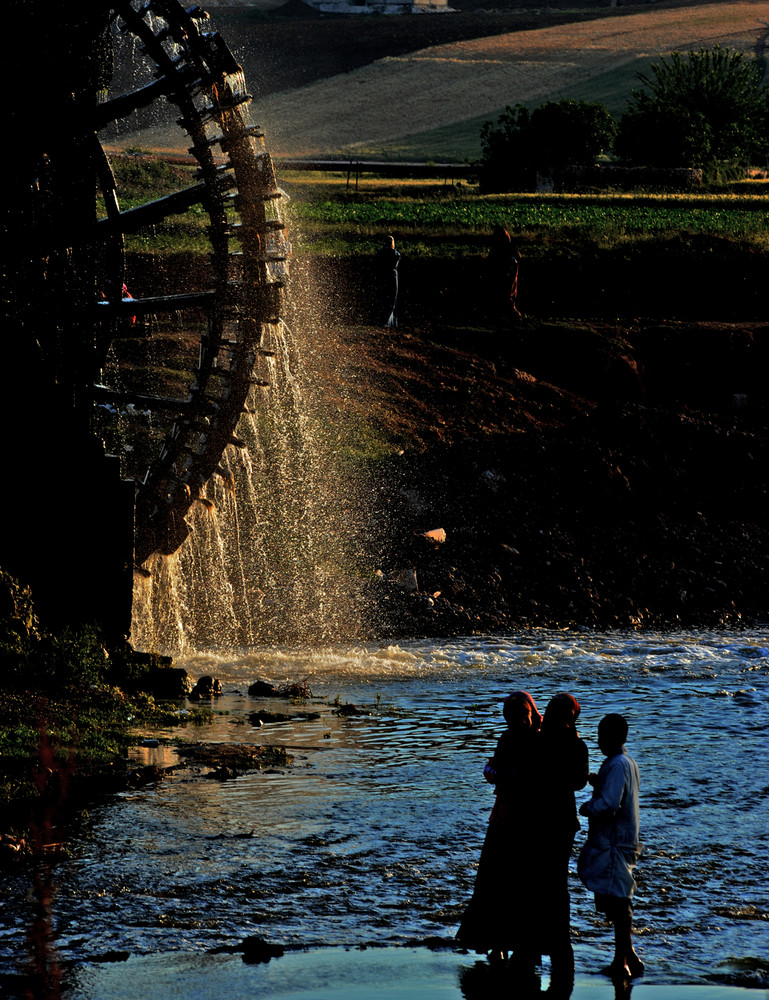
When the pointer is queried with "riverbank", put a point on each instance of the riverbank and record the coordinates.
(596, 465)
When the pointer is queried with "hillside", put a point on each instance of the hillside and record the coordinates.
(447, 84)
(406, 87)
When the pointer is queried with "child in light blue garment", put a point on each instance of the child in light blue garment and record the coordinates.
(607, 860)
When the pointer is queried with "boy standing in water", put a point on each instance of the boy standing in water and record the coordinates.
(607, 860)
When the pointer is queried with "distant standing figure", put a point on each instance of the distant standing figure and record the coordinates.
(387, 260)
(504, 263)
(607, 860)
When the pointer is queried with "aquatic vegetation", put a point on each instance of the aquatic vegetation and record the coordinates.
(241, 756)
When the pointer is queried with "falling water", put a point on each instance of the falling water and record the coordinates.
(269, 555)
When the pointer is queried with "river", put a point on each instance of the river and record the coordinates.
(371, 836)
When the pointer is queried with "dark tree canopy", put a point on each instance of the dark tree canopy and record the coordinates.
(705, 107)
(570, 132)
(556, 134)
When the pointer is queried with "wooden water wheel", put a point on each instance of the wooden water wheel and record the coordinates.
(196, 71)
(64, 266)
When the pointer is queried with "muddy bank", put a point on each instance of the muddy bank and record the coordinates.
(702, 278)
(627, 515)
(637, 498)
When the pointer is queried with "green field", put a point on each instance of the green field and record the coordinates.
(449, 225)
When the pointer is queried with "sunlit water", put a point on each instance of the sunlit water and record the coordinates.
(373, 834)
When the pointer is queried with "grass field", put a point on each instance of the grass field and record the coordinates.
(429, 102)
(439, 219)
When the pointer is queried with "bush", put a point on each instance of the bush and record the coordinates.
(696, 110)
(556, 134)
(33, 659)
(76, 656)
(18, 621)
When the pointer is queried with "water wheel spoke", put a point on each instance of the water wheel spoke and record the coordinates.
(134, 219)
(125, 105)
(157, 303)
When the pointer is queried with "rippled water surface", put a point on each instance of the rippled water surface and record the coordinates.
(372, 835)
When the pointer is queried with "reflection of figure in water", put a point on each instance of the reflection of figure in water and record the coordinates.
(498, 918)
(607, 860)
(387, 260)
(504, 261)
(561, 769)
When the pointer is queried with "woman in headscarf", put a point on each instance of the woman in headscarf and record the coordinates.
(504, 263)
(561, 769)
(497, 917)
(387, 260)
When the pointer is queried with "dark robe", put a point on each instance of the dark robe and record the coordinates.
(503, 266)
(560, 770)
(498, 915)
(387, 260)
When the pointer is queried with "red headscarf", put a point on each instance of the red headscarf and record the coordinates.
(524, 696)
(562, 710)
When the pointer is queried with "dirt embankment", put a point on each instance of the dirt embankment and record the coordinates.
(636, 496)
(604, 463)
(604, 471)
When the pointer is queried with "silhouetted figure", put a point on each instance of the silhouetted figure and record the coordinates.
(498, 917)
(607, 860)
(503, 265)
(387, 260)
(561, 769)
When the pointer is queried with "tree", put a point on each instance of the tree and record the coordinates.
(503, 160)
(556, 134)
(696, 110)
(563, 133)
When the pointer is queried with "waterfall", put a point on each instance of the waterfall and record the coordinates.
(271, 555)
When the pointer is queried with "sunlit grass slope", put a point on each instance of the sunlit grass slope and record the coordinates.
(430, 103)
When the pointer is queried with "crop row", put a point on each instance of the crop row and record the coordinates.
(713, 218)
